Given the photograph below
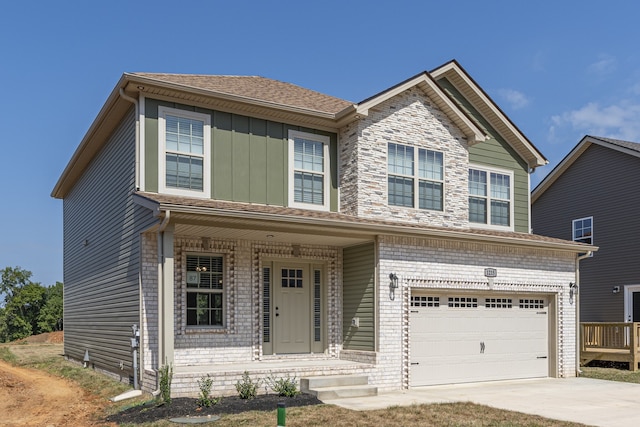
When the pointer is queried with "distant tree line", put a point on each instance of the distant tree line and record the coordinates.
(28, 308)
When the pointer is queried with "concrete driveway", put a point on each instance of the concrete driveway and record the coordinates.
(582, 400)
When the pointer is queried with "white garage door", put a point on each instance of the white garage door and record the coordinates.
(458, 338)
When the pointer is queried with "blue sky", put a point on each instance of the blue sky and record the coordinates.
(558, 69)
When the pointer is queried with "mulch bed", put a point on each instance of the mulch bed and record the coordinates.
(188, 407)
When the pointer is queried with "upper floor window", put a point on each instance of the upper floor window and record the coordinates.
(308, 170)
(412, 183)
(184, 157)
(583, 230)
(205, 290)
(490, 198)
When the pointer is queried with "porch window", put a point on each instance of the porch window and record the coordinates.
(308, 170)
(412, 183)
(490, 198)
(205, 290)
(184, 160)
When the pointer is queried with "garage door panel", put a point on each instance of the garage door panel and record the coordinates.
(477, 338)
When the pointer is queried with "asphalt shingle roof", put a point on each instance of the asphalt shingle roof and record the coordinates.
(256, 88)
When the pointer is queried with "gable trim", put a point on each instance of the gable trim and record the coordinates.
(571, 158)
(429, 86)
(491, 112)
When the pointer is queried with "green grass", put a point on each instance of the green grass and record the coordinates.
(48, 359)
(611, 374)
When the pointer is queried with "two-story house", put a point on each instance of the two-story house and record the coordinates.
(249, 224)
(590, 197)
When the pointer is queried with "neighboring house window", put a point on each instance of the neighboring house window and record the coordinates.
(583, 230)
(490, 198)
(308, 170)
(184, 139)
(411, 186)
(205, 290)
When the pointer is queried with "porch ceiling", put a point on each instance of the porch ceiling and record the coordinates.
(234, 228)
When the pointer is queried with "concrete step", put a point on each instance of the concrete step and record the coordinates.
(338, 386)
(312, 383)
(343, 392)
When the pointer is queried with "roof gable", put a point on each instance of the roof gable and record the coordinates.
(474, 94)
(431, 89)
(627, 147)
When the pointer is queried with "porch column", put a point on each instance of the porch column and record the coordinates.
(166, 297)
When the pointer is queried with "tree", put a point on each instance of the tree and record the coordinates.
(29, 308)
(50, 317)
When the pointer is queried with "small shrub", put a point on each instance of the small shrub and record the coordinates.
(287, 387)
(246, 387)
(166, 375)
(204, 398)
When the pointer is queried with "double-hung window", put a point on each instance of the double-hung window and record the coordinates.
(491, 198)
(308, 170)
(184, 138)
(583, 230)
(415, 182)
(205, 290)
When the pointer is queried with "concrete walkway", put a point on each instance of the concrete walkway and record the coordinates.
(582, 400)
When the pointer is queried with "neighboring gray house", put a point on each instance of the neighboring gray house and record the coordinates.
(593, 196)
(249, 224)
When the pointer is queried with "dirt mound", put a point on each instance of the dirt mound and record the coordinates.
(46, 338)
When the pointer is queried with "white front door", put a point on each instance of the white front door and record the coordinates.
(292, 314)
(632, 303)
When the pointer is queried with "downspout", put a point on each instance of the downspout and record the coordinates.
(137, 107)
(161, 344)
(576, 301)
(136, 187)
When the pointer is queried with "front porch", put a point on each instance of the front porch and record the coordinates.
(615, 342)
(226, 375)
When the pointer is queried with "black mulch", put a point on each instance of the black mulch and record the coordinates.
(185, 406)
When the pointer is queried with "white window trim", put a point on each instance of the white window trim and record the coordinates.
(327, 171)
(206, 164)
(573, 227)
(416, 178)
(573, 230)
(488, 226)
(224, 293)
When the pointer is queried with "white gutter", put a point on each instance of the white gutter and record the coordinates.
(377, 228)
(577, 303)
(137, 106)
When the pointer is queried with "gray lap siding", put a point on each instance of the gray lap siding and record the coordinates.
(102, 256)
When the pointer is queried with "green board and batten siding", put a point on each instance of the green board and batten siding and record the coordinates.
(498, 154)
(358, 295)
(249, 156)
(102, 255)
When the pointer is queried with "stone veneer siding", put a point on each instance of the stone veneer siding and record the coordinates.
(446, 265)
(409, 118)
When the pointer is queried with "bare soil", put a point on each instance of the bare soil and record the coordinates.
(33, 398)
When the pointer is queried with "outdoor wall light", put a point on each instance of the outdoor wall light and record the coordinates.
(393, 285)
(616, 289)
(573, 289)
(393, 281)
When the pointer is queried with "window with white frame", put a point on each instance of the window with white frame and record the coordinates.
(308, 170)
(491, 198)
(411, 183)
(583, 230)
(205, 290)
(184, 138)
